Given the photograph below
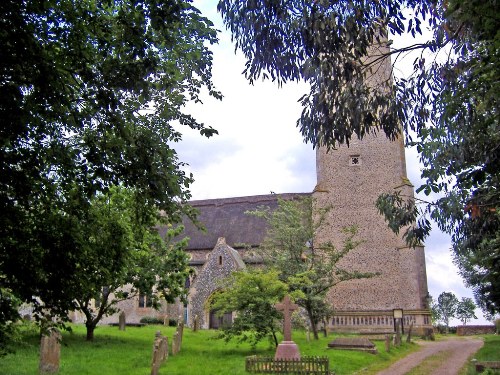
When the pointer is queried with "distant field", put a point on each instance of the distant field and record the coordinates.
(128, 352)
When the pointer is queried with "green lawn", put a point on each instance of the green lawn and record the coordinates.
(129, 353)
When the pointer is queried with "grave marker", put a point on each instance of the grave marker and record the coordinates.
(121, 321)
(50, 352)
(160, 352)
(287, 349)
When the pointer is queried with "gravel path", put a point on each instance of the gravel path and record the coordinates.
(461, 349)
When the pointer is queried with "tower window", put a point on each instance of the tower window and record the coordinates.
(355, 160)
(220, 260)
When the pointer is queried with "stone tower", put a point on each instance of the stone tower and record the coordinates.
(349, 180)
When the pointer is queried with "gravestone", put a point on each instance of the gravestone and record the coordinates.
(387, 343)
(397, 337)
(121, 321)
(180, 330)
(166, 321)
(196, 322)
(353, 343)
(408, 338)
(176, 346)
(160, 352)
(287, 349)
(50, 352)
(325, 328)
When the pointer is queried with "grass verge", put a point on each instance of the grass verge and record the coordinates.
(489, 352)
(128, 352)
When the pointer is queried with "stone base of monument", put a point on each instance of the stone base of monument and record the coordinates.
(287, 350)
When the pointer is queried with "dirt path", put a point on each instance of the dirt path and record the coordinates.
(460, 349)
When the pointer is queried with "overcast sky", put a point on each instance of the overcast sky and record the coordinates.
(259, 149)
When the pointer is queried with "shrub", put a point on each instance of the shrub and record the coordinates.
(151, 320)
(172, 322)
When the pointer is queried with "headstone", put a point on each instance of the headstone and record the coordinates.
(397, 338)
(408, 338)
(160, 352)
(121, 321)
(287, 349)
(353, 343)
(387, 343)
(50, 352)
(196, 323)
(165, 321)
(176, 344)
(180, 330)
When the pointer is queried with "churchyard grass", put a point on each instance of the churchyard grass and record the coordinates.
(489, 352)
(129, 352)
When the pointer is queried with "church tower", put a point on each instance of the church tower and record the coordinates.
(349, 181)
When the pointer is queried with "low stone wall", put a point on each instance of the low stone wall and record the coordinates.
(475, 330)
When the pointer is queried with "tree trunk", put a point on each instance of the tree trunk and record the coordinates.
(314, 325)
(275, 338)
(90, 332)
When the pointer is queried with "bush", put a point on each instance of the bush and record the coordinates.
(151, 320)
(172, 323)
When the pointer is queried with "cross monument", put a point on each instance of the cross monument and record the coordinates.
(287, 349)
(287, 307)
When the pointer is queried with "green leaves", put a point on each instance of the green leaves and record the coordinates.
(447, 106)
(309, 269)
(89, 92)
(252, 295)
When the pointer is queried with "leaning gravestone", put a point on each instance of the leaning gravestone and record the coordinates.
(50, 352)
(176, 346)
(177, 339)
(160, 352)
(121, 321)
(180, 330)
(353, 343)
(387, 343)
(196, 322)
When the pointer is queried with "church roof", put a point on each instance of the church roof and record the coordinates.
(226, 217)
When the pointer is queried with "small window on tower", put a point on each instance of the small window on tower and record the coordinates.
(355, 160)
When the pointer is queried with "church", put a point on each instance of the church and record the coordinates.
(349, 180)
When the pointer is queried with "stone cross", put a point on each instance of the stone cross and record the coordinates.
(287, 306)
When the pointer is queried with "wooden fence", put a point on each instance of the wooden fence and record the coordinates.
(302, 366)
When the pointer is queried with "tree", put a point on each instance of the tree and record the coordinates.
(466, 310)
(447, 107)
(446, 308)
(125, 258)
(89, 96)
(308, 268)
(252, 295)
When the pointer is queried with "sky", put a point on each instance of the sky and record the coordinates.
(259, 149)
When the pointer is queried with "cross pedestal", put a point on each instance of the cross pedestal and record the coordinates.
(287, 349)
